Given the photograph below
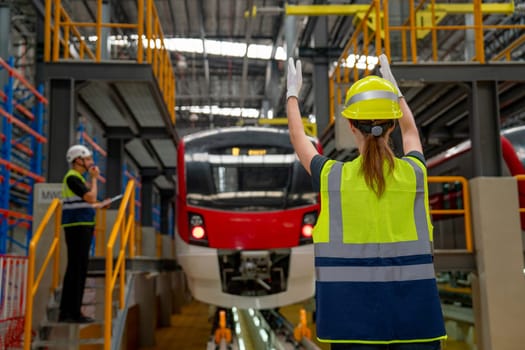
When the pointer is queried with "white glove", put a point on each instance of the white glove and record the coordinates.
(387, 73)
(295, 79)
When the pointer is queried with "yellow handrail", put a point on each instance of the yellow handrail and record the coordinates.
(54, 252)
(373, 28)
(466, 205)
(341, 67)
(100, 232)
(158, 245)
(33, 284)
(125, 224)
(505, 53)
(149, 33)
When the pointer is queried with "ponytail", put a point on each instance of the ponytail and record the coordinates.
(376, 155)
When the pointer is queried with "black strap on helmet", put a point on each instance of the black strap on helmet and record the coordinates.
(376, 128)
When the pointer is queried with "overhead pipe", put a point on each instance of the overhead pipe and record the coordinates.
(205, 58)
(247, 39)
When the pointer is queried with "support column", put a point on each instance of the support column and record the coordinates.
(470, 41)
(115, 163)
(290, 34)
(145, 298)
(106, 18)
(147, 200)
(485, 129)
(61, 127)
(5, 39)
(166, 298)
(166, 199)
(272, 80)
(398, 13)
(320, 77)
(499, 259)
(39, 50)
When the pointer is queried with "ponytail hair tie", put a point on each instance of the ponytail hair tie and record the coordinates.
(377, 130)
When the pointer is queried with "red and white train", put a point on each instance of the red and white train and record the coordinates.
(245, 214)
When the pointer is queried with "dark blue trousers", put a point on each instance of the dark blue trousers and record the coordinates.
(78, 241)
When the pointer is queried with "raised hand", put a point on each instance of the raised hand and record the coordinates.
(387, 73)
(294, 80)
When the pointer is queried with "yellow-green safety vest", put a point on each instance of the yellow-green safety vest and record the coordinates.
(375, 279)
(75, 210)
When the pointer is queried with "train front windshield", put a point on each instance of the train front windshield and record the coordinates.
(247, 180)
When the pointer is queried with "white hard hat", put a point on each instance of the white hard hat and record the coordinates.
(76, 151)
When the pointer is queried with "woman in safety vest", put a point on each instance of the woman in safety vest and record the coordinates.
(375, 279)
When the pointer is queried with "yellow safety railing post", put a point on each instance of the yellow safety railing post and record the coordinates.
(32, 283)
(29, 302)
(122, 266)
(99, 31)
(56, 262)
(413, 42)
(124, 224)
(140, 30)
(434, 32)
(56, 30)
(378, 23)
(149, 14)
(47, 31)
(478, 30)
(132, 230)
(158, 239)
(108, 298)
(386, 28)
(66, 39)
(465, 211)
(331, 97)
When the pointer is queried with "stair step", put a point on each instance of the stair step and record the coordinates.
(91, 287)
(67, 343)
(56, 304)
(48, 323)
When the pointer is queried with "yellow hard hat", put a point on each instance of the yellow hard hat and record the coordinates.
(372, 98)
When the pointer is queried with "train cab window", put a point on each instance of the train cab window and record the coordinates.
(252, 170)
(248, 186)
(240, 179)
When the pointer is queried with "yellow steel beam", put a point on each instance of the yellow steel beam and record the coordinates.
(346, 10)
(324, 10)
(492, 8)
(309, 128)
(423, 17)
(349, 10)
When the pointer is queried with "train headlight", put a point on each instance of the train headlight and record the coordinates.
(307, 228)
(197, 230)
(307, 231)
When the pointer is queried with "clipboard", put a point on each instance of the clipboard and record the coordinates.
(116, 198)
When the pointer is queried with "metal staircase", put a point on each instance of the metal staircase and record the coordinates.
(54, 334)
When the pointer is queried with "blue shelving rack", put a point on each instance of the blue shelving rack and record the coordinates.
(22, 109)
